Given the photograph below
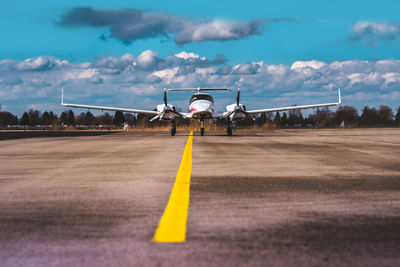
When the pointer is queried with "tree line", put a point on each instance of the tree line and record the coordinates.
(34, 118)
(344, 116)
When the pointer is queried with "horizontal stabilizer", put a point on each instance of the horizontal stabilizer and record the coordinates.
(196, 89)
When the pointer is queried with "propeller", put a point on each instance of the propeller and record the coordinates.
(241, 108)
(238, 107)
(165, 97)
(166, 109)
(238, 97)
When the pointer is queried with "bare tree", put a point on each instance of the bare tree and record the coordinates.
(348, 114)
(324, 117)
(34, 117)
(119, 118)
(277, 120)
(130, 119)
(369, 116)
(397, 119)
(105, 119)
(7, 118)
(71, 118)
(385, 114)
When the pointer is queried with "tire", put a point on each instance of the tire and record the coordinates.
(202, 131)
(173, 131)
(229, 131)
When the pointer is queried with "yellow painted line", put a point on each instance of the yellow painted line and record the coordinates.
(172, 225)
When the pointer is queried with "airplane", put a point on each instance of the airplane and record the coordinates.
(201, 107)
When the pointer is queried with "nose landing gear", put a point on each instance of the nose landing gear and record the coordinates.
(202, 127)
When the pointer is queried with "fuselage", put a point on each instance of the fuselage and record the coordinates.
(201, 106)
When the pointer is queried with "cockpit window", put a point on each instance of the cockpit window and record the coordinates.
(201, 97)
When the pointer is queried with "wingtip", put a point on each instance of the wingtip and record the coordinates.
(340, 97)
(62, 96)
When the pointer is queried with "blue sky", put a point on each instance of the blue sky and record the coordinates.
(352, 44)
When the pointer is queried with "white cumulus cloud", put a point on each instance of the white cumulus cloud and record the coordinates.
(371, 33)
(129, 78)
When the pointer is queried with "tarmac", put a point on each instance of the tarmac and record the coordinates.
(275, 198)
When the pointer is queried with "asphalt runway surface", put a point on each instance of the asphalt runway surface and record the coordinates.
(7, 135)
(278, 198)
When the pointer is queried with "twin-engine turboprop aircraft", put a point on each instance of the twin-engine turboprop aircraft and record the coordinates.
(201, 107)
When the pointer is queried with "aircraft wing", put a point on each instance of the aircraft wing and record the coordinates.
(296, 107)
(139, 111)
(221, 115)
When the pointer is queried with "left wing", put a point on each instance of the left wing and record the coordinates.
(296, 107)
(139, 111)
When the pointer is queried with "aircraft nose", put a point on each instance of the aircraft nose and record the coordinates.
(208, 106)
(204, 106)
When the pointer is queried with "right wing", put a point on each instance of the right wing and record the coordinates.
(139, 111)
(297, 107)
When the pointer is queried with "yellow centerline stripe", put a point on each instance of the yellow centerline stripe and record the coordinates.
(172, 225)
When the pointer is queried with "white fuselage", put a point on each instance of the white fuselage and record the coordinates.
(201, 109)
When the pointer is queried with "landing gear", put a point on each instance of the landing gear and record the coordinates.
(229, 129)
(173, 129)
(202, 127)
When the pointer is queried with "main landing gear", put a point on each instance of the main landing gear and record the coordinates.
(202, 127)
(173, 128)
(229, 128)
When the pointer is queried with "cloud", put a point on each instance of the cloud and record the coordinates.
(217, 31)
(370, 33)
(128, 80)
(11, 79)
(39, 63)
(129, 25)
(113, 65)
(315, 64)
(148, 60)
(247, 68)
(126, 25)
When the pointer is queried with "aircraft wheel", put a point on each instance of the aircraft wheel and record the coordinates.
(202, 131)
(229, 131)
(173, 131)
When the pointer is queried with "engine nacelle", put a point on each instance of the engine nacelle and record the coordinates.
(163, 107)
(237, 116)
(167, 112)
(237, 112)
(234, 107)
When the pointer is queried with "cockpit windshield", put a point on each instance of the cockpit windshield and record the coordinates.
(201, 97)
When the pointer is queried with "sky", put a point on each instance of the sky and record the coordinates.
(124, 53)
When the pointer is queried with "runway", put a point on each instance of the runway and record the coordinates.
(275, 198)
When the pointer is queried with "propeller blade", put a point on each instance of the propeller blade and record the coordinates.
(157, 116)
(165, 97)
(250, 115)
(238, 97)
